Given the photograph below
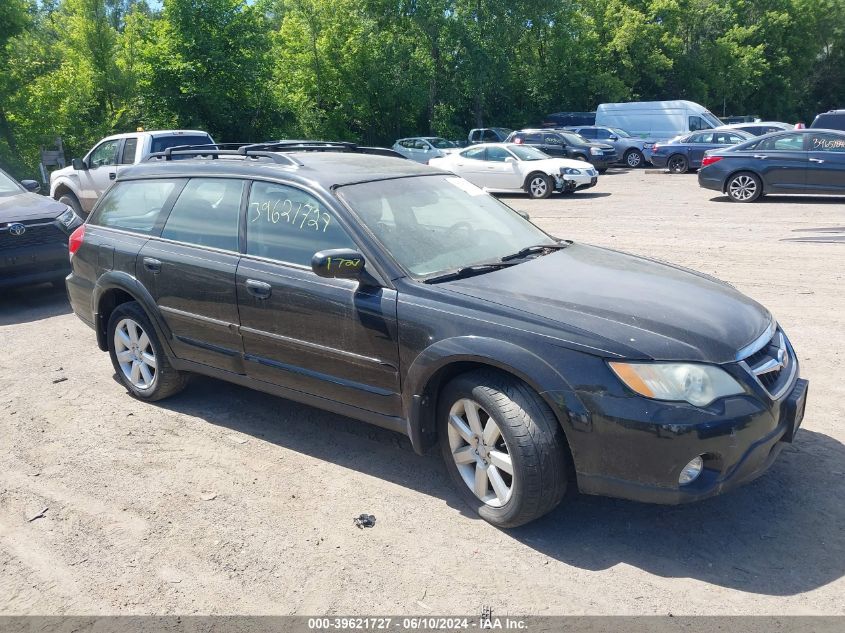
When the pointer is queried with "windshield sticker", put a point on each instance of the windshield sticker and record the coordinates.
(302, 215)
(466, 186)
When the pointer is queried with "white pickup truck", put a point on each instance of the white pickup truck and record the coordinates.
(80, 185)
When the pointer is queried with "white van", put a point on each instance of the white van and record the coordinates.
(656, 119)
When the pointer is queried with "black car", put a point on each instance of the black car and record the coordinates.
(34, 234)
(686, 152)
(565, 144)
(831, 120)
(397, 294)
(798, 161)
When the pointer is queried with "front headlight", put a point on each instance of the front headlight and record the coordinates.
(570, 171)
(697, 384)
(67, 218)
(595, 151)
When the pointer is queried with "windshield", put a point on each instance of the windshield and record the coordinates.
(711, 119)
(441, 143)
(526, 152)
(620, 133)
(8, 187)
(436, 224)
(574, 139)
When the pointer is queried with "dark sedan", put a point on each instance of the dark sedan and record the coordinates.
(686, 152)
(34, 234)
(565, 144)
(798, 161)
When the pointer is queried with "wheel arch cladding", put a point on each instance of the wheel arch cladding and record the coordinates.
(435, 366)
(115, 288)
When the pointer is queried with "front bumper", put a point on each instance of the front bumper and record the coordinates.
(33, 264)
(634, 448)
(604, 161)
(570, 182)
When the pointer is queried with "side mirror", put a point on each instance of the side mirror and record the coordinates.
(613, 137)
(524, 214)
(510, 159)
(31, 185)
(79, 164)
(341, 263)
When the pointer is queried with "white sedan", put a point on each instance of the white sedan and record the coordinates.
(508, 167)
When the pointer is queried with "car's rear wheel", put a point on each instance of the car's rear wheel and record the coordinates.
(503, 447)
(678, 164)
(138, 357)
(744, 187)
(634, 158)
(70, 200)
(539, 185)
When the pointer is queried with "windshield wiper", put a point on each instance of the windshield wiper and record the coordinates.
(468, 271)
(538, 248)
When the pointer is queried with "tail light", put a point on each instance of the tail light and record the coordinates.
(654, 148)
(75, 240)
(709, 160)
(518, 140)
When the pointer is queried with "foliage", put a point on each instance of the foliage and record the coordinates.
(374, 70)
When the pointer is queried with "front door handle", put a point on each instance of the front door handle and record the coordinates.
(258, 289)
(152, 264)
(816, 160)
(760, 156)
(112, 175)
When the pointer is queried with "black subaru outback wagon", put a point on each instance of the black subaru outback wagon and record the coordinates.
(406, 297)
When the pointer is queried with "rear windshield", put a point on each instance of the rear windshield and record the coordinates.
(161, 143)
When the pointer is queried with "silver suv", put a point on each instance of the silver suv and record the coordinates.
(632, 150)
(80, 185)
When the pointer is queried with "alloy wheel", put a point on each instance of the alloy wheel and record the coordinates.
(742, 188)
(135, 354)
(538, 186)
(480, 452)
(634, 159)
(677, 164)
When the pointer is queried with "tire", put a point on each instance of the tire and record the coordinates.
(603, 170)
(539, 186)
(634, 158)
(160, 379)
(70, 200)
(581, 157)
(677, 164)
(744, 187)
(526, 436)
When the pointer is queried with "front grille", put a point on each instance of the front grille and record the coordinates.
(38, 232)
(773, 364)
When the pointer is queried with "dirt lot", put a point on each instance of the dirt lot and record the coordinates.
(224, 500)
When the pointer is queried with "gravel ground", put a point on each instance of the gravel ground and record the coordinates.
(223, 500)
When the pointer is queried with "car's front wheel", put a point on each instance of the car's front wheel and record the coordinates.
(503, 447)
(744, 187)
(70, 200)
(539, 186)
(634, 158)
(138, 356)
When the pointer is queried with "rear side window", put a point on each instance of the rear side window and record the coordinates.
(289, 225)
(127, 157)
(476, 153)
(135, 205)
(827, 143)
(206, 213)
(497, 154)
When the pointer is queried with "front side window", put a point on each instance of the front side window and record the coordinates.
(786, 143)
(104, 154)
(441, 143)
(206, 214)
(498, 154)
(135, 205)
(489, 136)
(289, 225)
(434, 224)
(827, 143)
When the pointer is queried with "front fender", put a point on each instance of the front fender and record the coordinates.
(435, 364)
(119, 280)
(64, 180)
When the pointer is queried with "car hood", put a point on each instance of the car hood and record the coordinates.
(28, 206)
(660, 311)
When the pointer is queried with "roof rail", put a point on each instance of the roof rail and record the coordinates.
(274, 150)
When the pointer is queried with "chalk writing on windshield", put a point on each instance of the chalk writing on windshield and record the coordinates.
(302, 215)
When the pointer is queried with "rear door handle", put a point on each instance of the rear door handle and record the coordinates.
(816, 160)
(258, 289)
(112, 175)
(152, 264)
